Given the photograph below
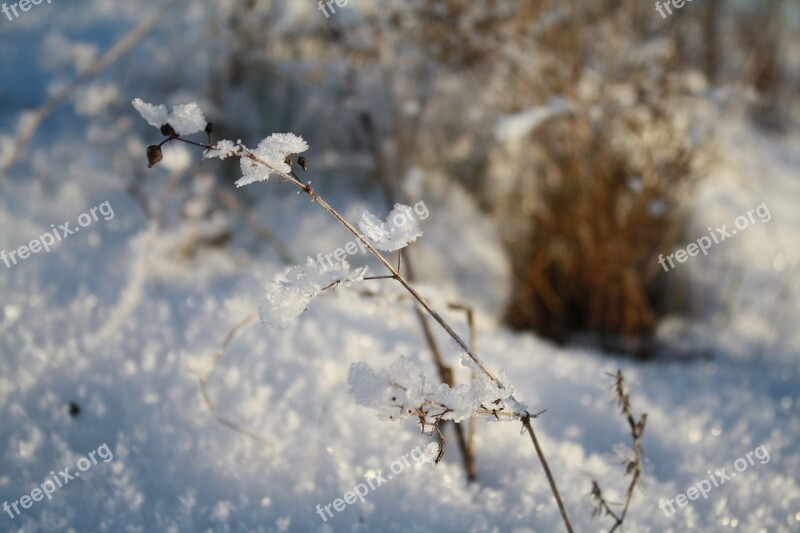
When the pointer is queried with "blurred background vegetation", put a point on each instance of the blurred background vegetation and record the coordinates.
(581, 127)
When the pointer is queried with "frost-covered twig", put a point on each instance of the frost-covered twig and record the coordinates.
(430, 405)
(465, 440)
(274, 155)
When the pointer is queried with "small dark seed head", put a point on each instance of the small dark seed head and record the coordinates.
(302, 162)
(288, 160)
(210, 128)
(168, 131)
(154, 155)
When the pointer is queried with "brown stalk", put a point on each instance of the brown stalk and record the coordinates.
(469, 444)
(633, 466)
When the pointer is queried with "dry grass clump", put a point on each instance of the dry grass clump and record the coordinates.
(607, 202)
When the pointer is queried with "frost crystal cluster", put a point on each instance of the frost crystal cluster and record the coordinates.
(403, 392)
(400, 229)
(284, 300)
(184, 119)
(271, 157)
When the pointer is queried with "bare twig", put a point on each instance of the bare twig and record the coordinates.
(526, 422)
(633, 466)
(229, 338)
(473, 342)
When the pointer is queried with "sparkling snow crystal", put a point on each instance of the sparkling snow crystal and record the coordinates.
(184, 119)
(273, 151)
(187, 119)
(155, 115)
(400, 229)
(223, 149)
(285, 300)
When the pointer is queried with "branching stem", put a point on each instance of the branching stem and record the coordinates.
(395, 274)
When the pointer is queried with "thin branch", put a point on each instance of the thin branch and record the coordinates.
(445, 374)
(473, 342)
(632, 466)
(229, 338)
(603, 504)
(526, 422)
(325, 205)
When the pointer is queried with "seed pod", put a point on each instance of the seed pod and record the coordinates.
(168, 131)
(210, 128)
(302, 162)
(154, 155)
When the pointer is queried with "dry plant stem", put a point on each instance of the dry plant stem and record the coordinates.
(596, 492)
(477, 360)
(527, 423)
(445, 374)
(634, 466)
(526, 419)
(465, 442)
(241, 326)
(473, 342)
(325, 205)
(306, 187)
(637, 428)
(113, 53)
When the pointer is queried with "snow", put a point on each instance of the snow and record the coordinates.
(402, 391)
(125, 316)
(271, 156)
(185, 119)
(223, 149)
(400, 229)
(517, 126)
(285, 299)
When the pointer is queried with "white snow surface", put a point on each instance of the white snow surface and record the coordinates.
(123, 317)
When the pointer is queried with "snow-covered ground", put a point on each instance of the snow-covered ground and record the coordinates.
(124, 316)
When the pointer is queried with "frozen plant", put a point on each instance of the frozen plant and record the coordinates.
(403, 388)
(285, 300)
(402, 391)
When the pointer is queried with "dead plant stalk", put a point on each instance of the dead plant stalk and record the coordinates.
(306, 188)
